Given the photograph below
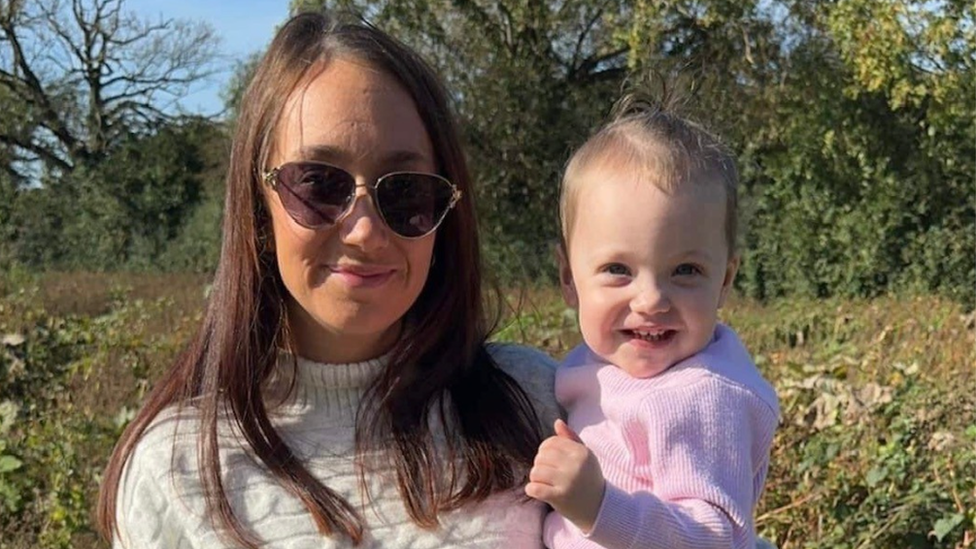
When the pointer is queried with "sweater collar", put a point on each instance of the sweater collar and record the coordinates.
(300, 380)
(320, 375)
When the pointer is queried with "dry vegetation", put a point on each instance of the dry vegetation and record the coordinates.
(876, 447)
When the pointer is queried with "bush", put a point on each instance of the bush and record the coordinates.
(68, 385)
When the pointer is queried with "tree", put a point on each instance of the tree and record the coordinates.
(869, 148)
(233, 91)
(8, 193)
(132, 209)
(78, 76)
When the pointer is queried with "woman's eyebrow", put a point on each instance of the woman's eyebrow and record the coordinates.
(330, 153)
(322, 152)
(403, 157)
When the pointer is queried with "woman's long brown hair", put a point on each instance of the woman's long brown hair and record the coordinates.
(439, 368)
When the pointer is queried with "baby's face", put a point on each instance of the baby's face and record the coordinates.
(647, 271)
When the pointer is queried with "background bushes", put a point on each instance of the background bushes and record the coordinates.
(852, 120)
(875, 448)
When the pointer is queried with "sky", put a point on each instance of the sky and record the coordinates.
(244, 26)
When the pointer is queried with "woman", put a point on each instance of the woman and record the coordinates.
(339, 391)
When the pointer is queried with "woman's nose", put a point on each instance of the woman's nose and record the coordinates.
(363, 227)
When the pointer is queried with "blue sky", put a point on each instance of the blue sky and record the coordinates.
(244, 26)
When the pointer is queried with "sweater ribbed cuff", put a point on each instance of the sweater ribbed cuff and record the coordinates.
(618, 520)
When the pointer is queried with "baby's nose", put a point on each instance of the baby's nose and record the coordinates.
(652, 298)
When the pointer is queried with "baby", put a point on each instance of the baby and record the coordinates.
(674, 421)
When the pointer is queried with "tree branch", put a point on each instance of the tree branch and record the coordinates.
(43, 153)
(14, 174)
(36, 89)
(100, 73)
(584, 72)
(587, 28)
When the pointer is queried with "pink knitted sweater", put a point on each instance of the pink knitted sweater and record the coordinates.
(684, 453)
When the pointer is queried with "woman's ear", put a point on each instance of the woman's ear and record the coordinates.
(566, 283)
(731, 268)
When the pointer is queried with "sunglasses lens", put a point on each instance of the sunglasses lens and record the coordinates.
(413, 204)
(314, 194)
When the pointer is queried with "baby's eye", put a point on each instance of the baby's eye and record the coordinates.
(617, 269)
(687, 269)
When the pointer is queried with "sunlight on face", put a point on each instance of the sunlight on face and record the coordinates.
(350, 284)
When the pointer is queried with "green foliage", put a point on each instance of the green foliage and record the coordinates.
(868, 161)
(196, 248)
(61, 379)
(889, 462)
(131, 210)
(233, 91)
(37, 362)
(853, 122)
(877, 433)
(95, 171)
(8, 193)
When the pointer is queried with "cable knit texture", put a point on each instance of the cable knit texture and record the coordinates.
(161, 502)
(684, 453)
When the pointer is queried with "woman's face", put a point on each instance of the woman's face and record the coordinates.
(350, 284)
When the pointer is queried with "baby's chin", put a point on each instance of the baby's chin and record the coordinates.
(645, 357)
(640, 368)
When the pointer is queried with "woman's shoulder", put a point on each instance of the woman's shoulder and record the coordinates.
(527, 365)
(520, 356)
(535, 372)
(169, 442)
(162, 459)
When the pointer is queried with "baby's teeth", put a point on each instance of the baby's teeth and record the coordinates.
(649, 336)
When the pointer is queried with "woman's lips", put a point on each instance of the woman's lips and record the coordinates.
(362, 276)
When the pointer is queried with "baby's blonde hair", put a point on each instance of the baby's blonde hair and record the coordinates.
(661, 147)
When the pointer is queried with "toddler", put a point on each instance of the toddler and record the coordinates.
(669, 421)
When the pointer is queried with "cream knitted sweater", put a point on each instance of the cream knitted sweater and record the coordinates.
(161, 502)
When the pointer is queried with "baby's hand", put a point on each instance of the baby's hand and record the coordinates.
(567, 476)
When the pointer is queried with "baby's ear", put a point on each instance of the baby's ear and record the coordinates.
(731, 268)
(566, 283)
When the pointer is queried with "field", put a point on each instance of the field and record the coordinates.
(876, 449)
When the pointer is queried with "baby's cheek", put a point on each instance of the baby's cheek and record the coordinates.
(584, 318)
(598, 333)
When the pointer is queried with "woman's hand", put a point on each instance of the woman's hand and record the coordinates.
(567, 476)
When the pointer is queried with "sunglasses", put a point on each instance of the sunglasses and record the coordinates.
(318, 195)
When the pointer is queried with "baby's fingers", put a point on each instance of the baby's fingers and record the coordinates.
(547, 483)
(556, 445)
(540, 491)
(565, 431)
(545, 473)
